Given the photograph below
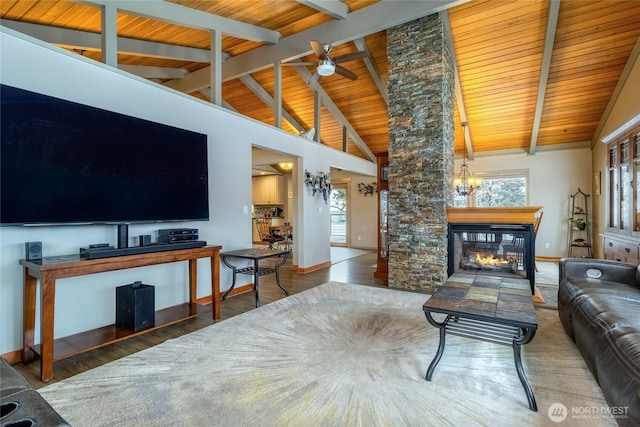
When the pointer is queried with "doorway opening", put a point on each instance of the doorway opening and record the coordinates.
(338, 215)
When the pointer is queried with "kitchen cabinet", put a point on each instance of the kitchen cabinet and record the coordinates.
(268, 190)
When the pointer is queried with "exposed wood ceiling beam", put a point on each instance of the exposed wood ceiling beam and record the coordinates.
(109, 35)
(149, 72)
(448, 38)
(264, 96)
(363, 22)
(334, 8)
(277, 95)
(225, 104)
(192, 18)
(215, 75)
(83, 40)
(317, 105)
(552, 22)
(337, 114)
(373, 69)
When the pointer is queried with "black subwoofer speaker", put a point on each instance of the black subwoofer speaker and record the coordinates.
(135, 306)
(32, 250)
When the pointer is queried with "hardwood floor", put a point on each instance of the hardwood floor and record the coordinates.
(357, 270)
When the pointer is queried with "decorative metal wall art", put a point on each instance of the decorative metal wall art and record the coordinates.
(367, 189)
(319, 183)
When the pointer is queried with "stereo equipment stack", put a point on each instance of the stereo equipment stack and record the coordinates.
(177, 235)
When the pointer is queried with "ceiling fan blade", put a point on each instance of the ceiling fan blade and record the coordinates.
(350, 56)
(314, 78)
(346, 73)
(297, 64)
(318, 48)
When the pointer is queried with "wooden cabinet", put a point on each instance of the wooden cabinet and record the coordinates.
(268, 190)
(618, 248)
(622, 239)
(382, 265)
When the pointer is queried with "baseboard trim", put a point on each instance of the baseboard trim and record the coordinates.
(13, 356)
(314, 267)
(204, 300)
(240, 290)
(548, 259)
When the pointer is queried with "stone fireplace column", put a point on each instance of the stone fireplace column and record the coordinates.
(421, 128)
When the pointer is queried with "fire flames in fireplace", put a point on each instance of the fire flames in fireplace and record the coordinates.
(489, 262)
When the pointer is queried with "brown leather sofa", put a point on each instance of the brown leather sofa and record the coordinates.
(21, 406)
(599, 307)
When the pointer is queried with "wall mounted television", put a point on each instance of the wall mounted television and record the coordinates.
(63, 162)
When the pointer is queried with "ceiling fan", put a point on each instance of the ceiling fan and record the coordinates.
(326, 65)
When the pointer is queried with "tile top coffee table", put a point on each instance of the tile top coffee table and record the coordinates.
(487, 308)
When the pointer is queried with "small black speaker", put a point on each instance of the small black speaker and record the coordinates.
(145, 239)
(135, 306)
(32, 250)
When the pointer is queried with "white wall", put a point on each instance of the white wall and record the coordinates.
(553, 177)
(362, 211)
(88, 302)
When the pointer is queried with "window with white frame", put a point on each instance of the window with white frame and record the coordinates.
(499, 188)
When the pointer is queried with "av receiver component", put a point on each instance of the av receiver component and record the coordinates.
(163, 240)
(178, 232)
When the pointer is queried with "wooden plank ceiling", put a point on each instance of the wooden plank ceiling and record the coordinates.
(532, 75)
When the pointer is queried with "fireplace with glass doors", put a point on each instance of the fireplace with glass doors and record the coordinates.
(505, 250)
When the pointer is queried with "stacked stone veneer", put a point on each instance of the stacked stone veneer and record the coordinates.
(421, 127)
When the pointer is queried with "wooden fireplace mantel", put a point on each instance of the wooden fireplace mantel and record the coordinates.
(497, 215)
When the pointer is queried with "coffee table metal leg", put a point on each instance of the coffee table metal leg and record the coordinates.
(438, 355)
(233, 280)
(443, 333)
(277, 268)
(528, 336)
(255, 281)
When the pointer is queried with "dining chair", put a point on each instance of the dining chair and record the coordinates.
(266, 235)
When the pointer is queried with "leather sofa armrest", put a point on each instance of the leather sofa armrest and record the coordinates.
(605, 270)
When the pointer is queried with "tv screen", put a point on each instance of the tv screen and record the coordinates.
(63, 162)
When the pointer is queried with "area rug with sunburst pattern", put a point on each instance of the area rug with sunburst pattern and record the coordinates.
(335, 355)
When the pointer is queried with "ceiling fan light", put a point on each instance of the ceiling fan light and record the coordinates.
(326, 67)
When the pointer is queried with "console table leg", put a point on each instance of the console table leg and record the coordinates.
(523, 378)
(48, 297)
(193, 286)
(29, 317)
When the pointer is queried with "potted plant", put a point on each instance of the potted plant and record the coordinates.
(578, 223)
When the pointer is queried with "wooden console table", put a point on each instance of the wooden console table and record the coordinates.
(49, 269)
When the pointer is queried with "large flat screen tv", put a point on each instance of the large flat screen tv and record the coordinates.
(67, 163)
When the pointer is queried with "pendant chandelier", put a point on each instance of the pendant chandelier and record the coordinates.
(465, 183)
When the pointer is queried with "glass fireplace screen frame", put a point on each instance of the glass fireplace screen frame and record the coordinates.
(525, 231)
